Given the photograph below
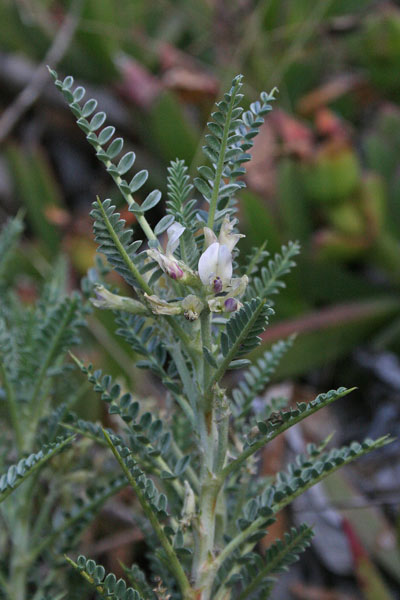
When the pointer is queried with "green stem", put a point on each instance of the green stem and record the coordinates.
(205, 323)
(20, 538)
(44, 512)
(12, 406)
(222, 447)
(187, 409)
(18, 568)
(181, 333)
(174, 563)
(203, 559)
(255, 259)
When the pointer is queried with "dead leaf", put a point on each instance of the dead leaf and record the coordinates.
(308, 592)
(57, 216)
(186, 76)
(260, 171)
(296, 137)
(328, 124)
(190, 85)
(138, 84)
(329, 92)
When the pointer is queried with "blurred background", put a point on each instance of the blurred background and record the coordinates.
(325, 171)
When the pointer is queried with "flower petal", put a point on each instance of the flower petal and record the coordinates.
(209, 237)
(168, 264)
(174, 232)
(224, 266)
(216, 261)
(226, 237)
(208, 263)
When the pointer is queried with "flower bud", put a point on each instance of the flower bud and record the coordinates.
(106, 299)
(168, 264)
(159, 306)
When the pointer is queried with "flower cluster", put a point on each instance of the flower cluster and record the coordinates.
(213, 283)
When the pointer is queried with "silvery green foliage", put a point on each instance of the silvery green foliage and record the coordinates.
(191, 322)
(191, 316)
(35, 446)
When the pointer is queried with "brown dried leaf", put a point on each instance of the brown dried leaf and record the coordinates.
(308, 592)
(138, 85)
(260, 171)
(296, 137)
(329, 92)
(185, 75)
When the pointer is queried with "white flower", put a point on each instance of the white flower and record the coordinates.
(215, 264)
(176, 269)
(215, 267)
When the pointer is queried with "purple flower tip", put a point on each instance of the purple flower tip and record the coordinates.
(176, 272)
(217, 285)
(230, 305)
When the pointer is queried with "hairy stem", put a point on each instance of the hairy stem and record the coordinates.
(206, 339)
(213, 425)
